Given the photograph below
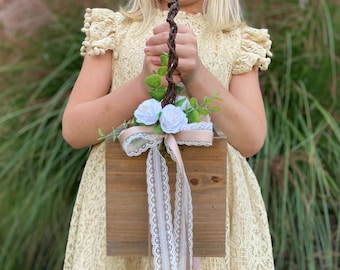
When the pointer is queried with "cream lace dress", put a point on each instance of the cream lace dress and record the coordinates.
(248, 239)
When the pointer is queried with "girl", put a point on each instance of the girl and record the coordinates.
(216, 50)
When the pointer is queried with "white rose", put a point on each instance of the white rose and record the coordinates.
(172, 119)
(148, 111)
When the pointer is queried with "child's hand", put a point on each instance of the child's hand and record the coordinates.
(186, 48)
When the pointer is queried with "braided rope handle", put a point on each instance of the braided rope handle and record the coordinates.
(170, 95)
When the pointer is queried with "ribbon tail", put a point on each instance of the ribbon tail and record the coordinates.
(183, 221)
(183, 225)
(160, 219)
(183, 212)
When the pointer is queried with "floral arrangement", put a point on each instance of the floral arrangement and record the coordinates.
(172, 118)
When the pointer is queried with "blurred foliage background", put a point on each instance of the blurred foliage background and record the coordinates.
(298, 168)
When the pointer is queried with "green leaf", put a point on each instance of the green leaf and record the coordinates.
(215, 109)
(180, 102)
(194, 102)
(164, 59)
(154, 80)
(215, 96)
(101, 132)
(203, 111)
(163, 70)
(158, 93)
(135, 123)
(194, 116)
(207, 101)
(158, 129)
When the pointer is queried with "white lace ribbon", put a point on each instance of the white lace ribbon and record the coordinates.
(172, 242)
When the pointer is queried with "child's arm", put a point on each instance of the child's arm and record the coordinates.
(242, 115)
(91, 106)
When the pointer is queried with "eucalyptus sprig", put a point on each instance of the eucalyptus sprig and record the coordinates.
(114, 133)
(154, 81)
(194, 113)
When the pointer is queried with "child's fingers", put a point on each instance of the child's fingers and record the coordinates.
(164, 27)
(156, 50)
(161, 34)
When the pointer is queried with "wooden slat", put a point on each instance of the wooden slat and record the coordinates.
(126, 199)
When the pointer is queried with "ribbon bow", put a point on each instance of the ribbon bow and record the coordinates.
(172, 242)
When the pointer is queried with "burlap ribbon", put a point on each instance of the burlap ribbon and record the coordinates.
(172, 242)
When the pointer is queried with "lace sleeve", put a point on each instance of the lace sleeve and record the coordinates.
(254, 51)
(100, 27)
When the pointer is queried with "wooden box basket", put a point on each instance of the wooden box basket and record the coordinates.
(127, 204)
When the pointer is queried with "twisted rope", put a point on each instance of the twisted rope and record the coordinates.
(170, 95)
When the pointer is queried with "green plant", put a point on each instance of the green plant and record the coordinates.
(298, 166)
(39, 171)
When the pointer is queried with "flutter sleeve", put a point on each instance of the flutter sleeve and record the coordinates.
(254, 50)
(100, 27)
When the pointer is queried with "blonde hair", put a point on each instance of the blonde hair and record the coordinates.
(222, 15)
